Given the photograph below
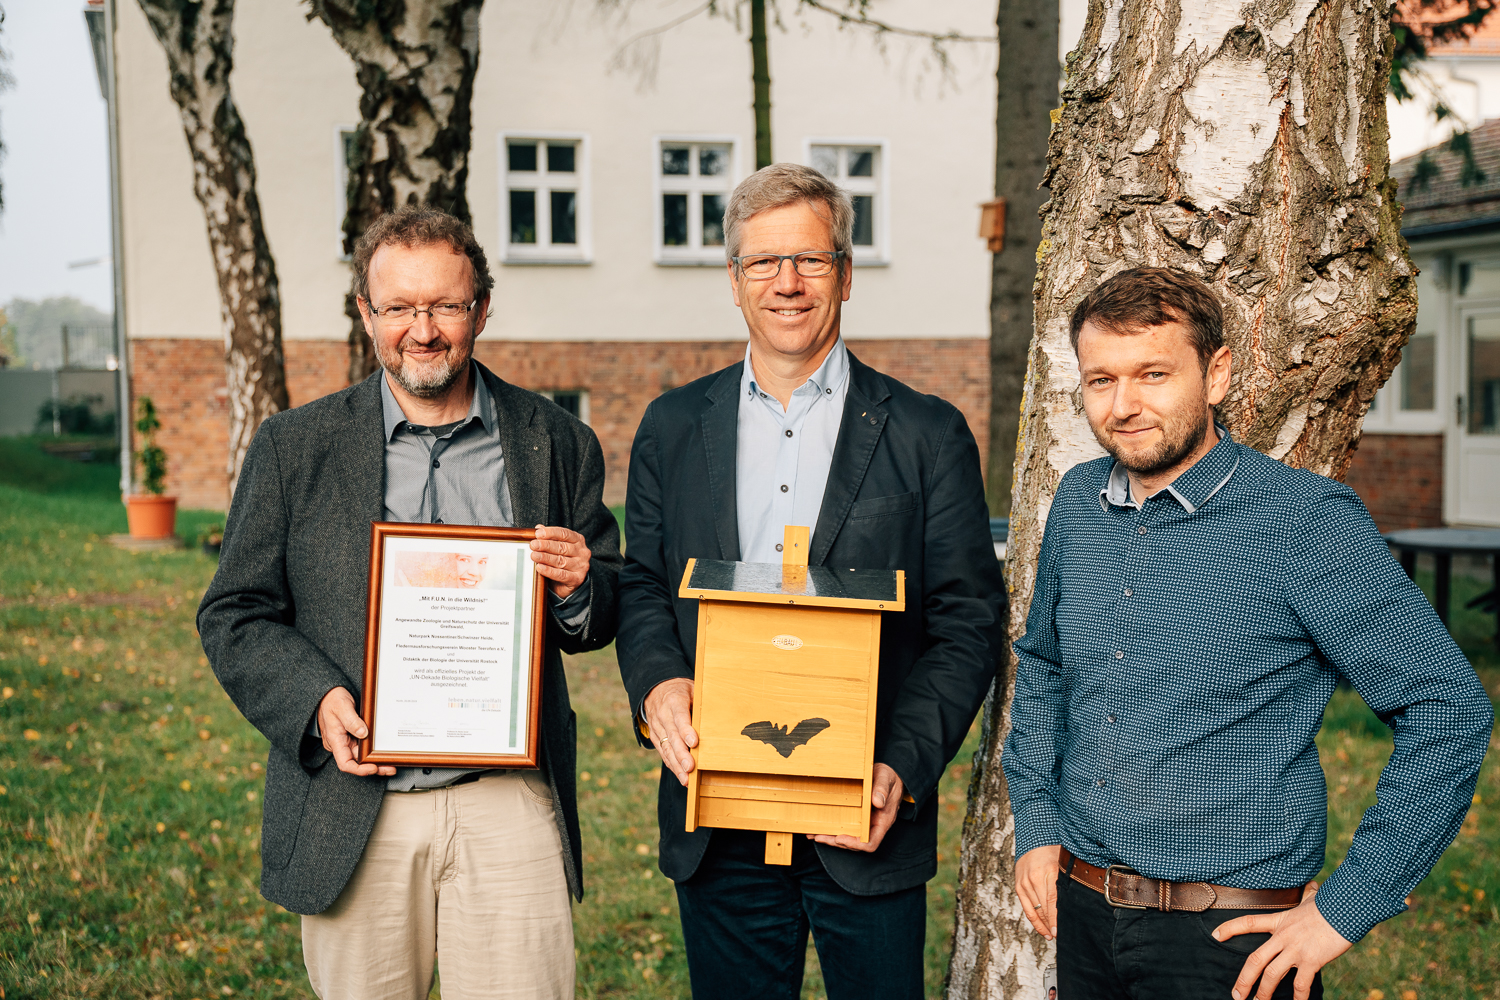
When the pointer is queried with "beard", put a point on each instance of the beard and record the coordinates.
(1182, 432)
(428, 379)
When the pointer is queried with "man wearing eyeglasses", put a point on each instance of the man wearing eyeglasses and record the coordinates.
(801, 432)
(389, 866)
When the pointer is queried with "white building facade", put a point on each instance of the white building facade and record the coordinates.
(1430, 453)
(596, 190)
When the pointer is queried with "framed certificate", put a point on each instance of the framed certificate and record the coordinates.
(453, 651)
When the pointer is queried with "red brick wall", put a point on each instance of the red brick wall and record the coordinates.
(1400, 478)
(185, 378)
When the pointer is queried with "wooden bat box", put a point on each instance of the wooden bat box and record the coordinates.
(784, 694)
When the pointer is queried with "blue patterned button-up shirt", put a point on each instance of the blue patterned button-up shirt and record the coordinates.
(1178, 656)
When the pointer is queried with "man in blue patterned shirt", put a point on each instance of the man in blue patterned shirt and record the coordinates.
(1195, 603)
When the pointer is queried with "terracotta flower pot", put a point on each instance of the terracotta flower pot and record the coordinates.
(151, 516)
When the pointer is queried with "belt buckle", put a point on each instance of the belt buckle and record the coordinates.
(1109, 882)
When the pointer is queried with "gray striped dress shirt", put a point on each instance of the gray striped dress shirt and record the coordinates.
(453, 474)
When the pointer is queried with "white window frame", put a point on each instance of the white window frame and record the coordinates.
(340, 186)
(878, 254)
(1385, 415)
(583, 400)
(694, 254)
(543, 251)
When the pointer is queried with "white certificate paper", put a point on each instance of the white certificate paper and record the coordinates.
(454, 647)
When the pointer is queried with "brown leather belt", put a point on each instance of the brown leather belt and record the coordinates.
(1123, 887)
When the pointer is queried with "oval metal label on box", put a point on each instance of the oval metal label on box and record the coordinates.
(786, 642)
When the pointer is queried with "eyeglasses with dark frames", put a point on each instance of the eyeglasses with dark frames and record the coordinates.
(808, 264)
(443, 313)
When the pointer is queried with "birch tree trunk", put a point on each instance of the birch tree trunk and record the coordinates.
(1246, 143)
(1028, 77)
(415, 61)
(198, 39)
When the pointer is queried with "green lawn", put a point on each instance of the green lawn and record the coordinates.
(130, 794)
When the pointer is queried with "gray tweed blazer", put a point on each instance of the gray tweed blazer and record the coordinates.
(283, 622)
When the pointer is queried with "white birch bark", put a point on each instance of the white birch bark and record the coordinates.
(1246, 143)
(198, 38)
(415, 61)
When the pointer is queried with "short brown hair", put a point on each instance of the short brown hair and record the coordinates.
(420, 226)
(787, 184)
(1151, 296)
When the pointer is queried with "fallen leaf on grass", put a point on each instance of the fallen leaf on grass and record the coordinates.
(32, 734)
(185, 785)
(161, 828)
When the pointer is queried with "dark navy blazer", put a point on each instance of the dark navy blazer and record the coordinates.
(904, 492)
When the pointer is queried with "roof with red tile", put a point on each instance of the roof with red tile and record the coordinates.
(1484, 42)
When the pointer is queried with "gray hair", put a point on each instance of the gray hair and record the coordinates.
(783, 184)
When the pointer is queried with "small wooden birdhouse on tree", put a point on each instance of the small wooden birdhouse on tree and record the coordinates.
(784, 693)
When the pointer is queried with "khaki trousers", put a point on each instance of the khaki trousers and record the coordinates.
(473, 873)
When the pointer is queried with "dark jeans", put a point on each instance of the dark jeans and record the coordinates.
(1111, 953)
(745, 925)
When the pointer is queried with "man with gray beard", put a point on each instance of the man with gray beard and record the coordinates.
(391, 866)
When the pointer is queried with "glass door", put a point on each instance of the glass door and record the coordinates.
(1477, 413)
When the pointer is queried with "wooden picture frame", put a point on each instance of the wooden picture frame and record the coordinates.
(425, 646)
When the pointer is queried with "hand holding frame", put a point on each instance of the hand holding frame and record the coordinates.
(342, 729)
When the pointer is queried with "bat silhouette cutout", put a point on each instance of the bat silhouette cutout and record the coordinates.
(782, 741)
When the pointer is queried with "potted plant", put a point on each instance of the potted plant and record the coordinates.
(211, 538)
(151, 515)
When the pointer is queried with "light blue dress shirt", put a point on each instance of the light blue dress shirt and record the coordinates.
(783, 457)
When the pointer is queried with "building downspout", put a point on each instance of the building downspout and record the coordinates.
(99, 16)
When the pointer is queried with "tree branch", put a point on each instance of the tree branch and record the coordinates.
(883, 27)
(662, 28)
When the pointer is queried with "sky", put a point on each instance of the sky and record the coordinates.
(56, 162)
